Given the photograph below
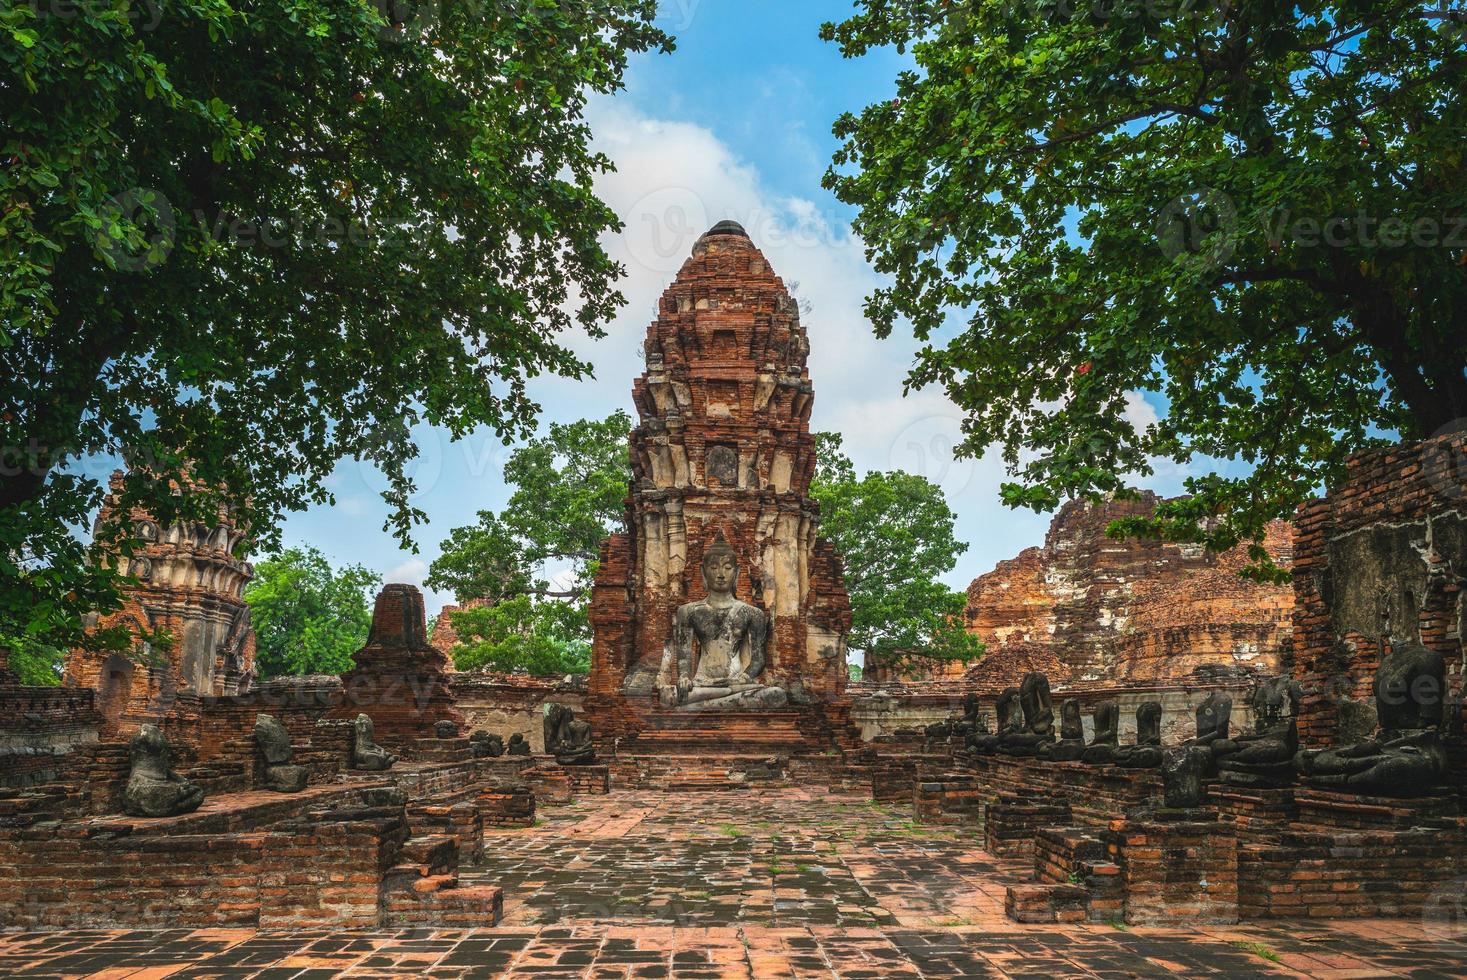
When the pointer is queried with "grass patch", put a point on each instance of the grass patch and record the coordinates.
(803, 868)
(1119, 926)
(729, 830)
(1257, 949)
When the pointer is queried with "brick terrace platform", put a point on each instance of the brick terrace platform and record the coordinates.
(771, 883)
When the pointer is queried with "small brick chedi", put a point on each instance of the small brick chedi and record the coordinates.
(721, 598)
(399, 680)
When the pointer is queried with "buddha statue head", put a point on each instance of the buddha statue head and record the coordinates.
(720, 567)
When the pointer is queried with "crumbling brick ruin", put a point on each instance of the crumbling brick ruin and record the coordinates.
(1125, 610)
(190, 585)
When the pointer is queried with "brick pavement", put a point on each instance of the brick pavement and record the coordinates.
(747, 884)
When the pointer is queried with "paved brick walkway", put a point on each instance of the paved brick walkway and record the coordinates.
(749, 884)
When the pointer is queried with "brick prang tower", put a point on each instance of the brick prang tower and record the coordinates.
(723, 446)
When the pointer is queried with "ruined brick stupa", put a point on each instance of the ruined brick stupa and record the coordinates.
(722, 561)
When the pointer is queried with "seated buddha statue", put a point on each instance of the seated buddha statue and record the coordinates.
(730, 636)
(1038, 718)
(567, 738)
(1146, 753)
(153, 788)
(1214, 724)
(1071, 744)
(1406, 758)
(1264, 758)
(1010, 722)
(366, 754)
(1103, 744)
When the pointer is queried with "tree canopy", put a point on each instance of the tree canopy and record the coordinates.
(895, 532)
(1257, 212)
(242, 242)
(533, 563)
(308, 617)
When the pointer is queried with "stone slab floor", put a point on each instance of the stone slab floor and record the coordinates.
(755, 883)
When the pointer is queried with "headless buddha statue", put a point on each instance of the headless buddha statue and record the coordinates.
(1265, 758)
(1072, 735)
(1103, 744)
(1406, 758)
(1010, 722)
(730, 636)
(1037, 730)
(1146, 753)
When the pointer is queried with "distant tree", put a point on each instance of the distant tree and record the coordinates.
(895, 532)
(543, 637)
(855, 672)
(533, 562)
(308, 617)
(244, 241)
(37, 664)
(1256, 211)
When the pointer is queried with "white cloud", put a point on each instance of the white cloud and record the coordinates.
(410, 572)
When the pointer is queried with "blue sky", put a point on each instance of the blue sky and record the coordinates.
(735, 124)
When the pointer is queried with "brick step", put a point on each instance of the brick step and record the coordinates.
(436, 852)
(475, 907)
(1046, 904)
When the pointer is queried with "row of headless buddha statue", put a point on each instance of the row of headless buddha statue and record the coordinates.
(1391, 747)
(1026, 729)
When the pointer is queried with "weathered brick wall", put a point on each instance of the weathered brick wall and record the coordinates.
(505, 704)
(1085, 607)
(39, 727)
(1385, 552)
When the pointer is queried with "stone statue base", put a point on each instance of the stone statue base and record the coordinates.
(148, 797)
(286, 779)
(1066, 750)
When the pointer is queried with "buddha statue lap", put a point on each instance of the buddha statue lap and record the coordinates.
(517, 745)
(153, 788)
(484, 745)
